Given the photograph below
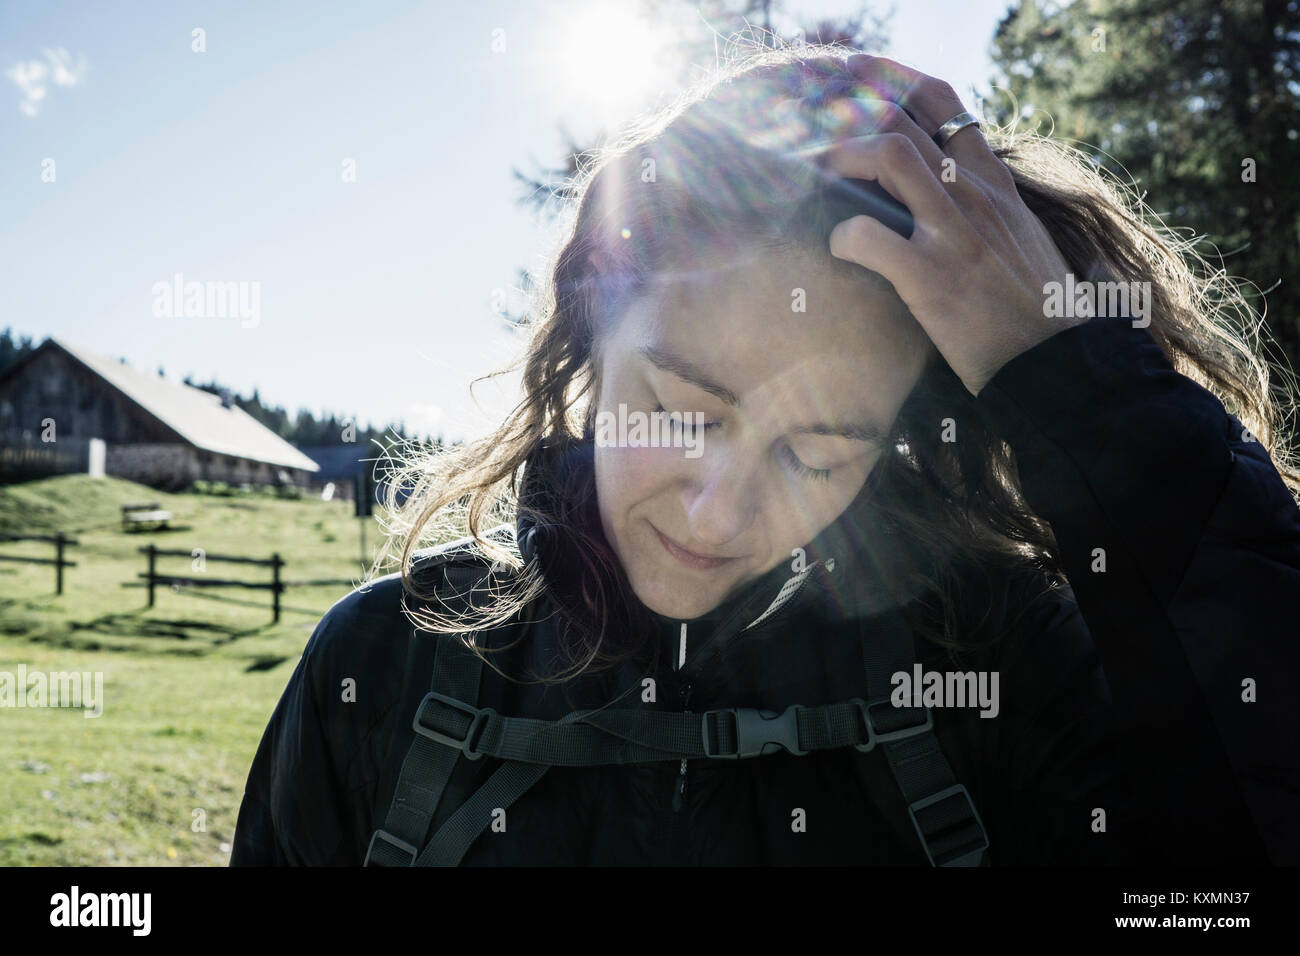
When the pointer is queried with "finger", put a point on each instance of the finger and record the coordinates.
(868, 115)
(873, 245)
(931, 102)
(893, 161)
(864, 113)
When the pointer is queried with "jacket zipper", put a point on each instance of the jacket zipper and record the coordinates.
(679, 793)
(684, 693)
(679, 785)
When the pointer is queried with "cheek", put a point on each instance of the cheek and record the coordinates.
(628, 477)
(800, 516)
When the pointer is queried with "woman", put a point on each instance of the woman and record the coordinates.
(836, 525)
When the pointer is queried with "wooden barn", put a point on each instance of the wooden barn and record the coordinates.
(155, 431)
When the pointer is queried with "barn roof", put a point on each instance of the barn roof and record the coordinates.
(197, 416)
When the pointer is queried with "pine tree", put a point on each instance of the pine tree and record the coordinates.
(1196, 100)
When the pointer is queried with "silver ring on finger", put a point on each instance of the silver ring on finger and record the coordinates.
(951, 128)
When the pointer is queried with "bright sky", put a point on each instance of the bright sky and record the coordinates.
(375, 297)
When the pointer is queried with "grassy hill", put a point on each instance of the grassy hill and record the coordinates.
(188, 685)
(70, 503)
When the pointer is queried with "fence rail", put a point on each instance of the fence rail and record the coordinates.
(154, 578)
(60, 541)
(228, 558)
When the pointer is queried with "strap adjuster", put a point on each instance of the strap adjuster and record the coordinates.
(959, 838)
(400, 846)
(876, 736)
(757, 732)
(477, 718)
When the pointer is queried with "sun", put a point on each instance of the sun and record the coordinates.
(612, 59)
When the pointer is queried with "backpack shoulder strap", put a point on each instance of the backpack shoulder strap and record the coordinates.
(452, 572)
(939, 808)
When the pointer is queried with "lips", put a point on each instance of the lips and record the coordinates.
(699, 562)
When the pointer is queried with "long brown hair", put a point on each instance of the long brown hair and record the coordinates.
(714, 172)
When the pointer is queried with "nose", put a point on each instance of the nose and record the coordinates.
(720, 498)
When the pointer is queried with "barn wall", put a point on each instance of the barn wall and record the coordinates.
(175, 466)
(24, 458)
(82, 406)
(236, 471)
(53, 386)
(169, 466)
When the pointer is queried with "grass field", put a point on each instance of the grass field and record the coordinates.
(188, 685)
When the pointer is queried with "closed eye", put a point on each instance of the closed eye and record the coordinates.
(678, 421)
(799, 468)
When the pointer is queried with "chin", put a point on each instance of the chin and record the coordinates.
(675, 606)
(676, 598)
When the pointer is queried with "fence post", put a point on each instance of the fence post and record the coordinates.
(151, 558)
(275, 587)
(58, 562)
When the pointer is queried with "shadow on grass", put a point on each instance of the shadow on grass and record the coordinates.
(125, 633)
(12, 623)
(265, 662)
(181, 629)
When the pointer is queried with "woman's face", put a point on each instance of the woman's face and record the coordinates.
(790, 411)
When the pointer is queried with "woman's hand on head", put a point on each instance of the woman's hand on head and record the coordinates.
(975, 268)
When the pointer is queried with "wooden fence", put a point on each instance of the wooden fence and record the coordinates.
(275, 585)
(60, 541)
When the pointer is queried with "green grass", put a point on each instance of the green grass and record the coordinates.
(188, 685)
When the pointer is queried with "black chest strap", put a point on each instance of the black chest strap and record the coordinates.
(448, 727)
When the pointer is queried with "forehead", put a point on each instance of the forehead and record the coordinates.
(785, 322)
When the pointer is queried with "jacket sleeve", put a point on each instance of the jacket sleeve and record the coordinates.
(1056, 757)
(293, 811)
(1182, 545)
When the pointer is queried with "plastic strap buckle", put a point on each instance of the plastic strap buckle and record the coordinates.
(875, 736)
(477, 719)
(399, 845)
(959, 798)
(758, 732)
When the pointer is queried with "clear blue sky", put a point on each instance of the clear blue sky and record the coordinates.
(376, 295)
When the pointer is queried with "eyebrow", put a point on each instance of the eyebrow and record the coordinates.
(862, 431)
(868, 431)
(675, 364)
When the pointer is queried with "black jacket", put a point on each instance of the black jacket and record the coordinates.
(1161, 689)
